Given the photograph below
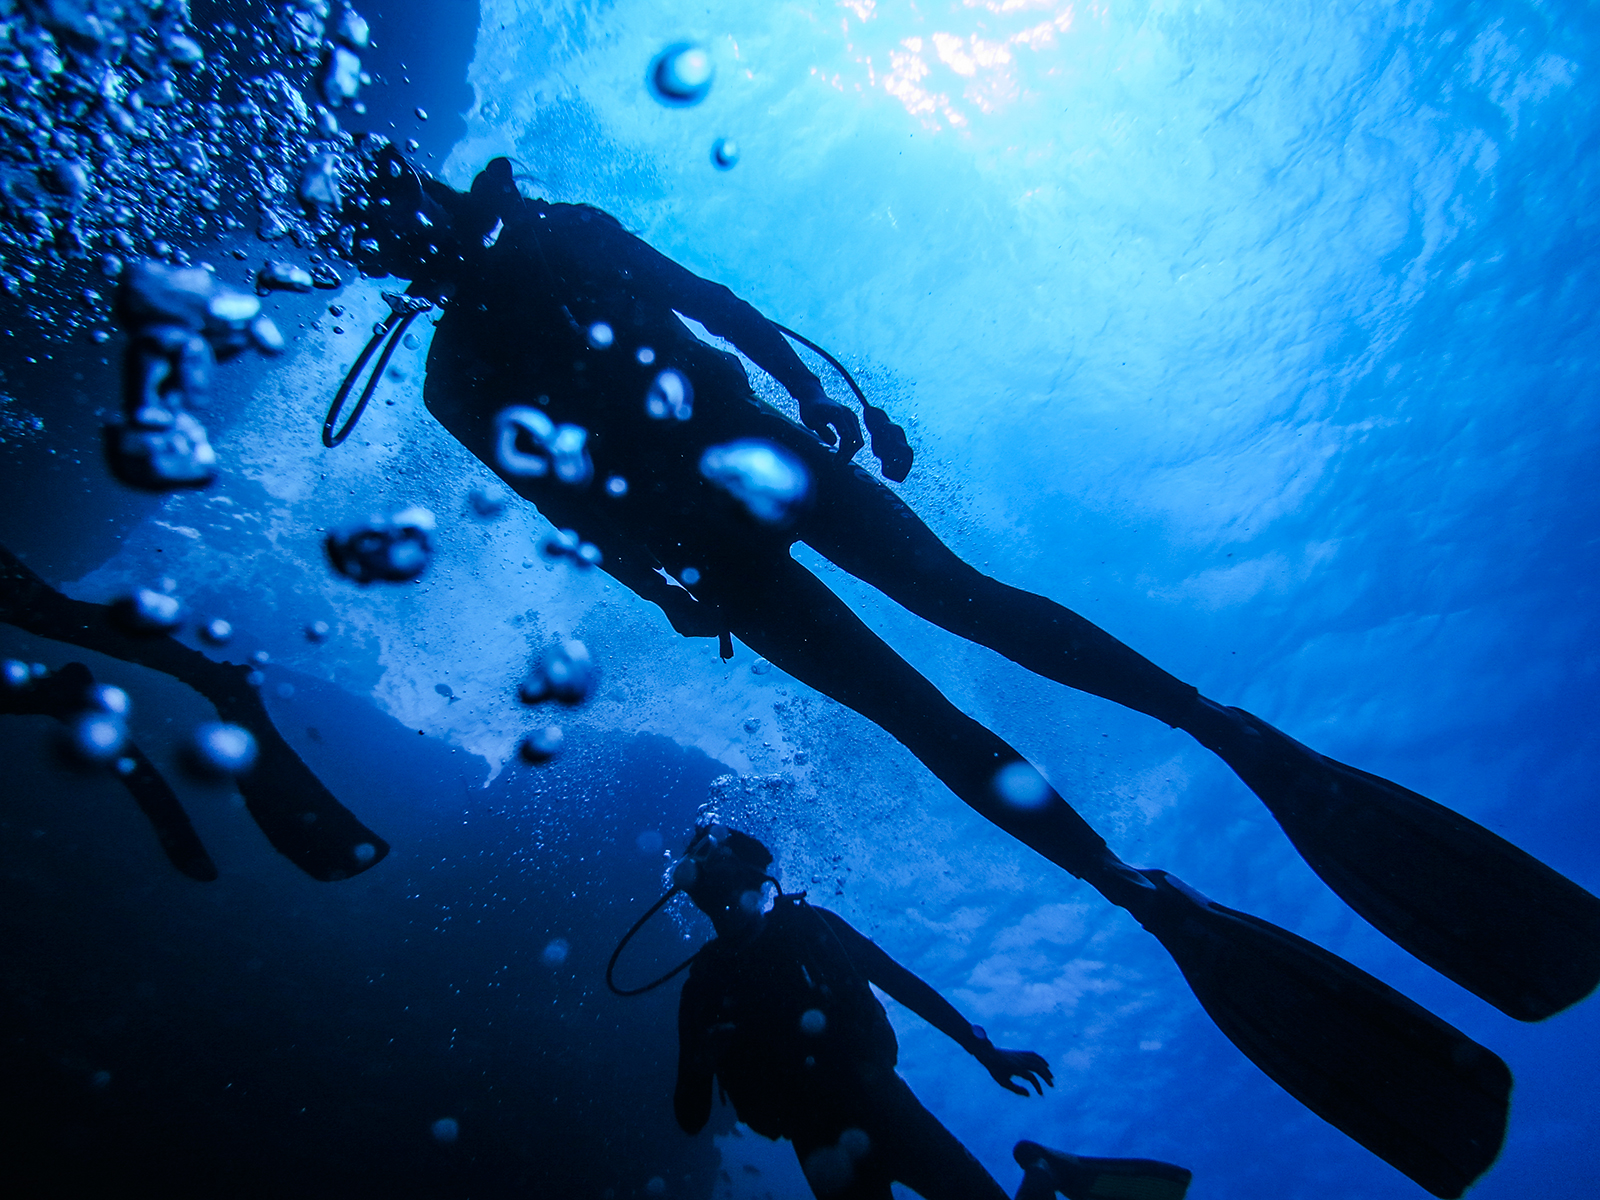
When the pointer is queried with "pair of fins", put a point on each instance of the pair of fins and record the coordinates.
(302, 819)
(1405, 1084)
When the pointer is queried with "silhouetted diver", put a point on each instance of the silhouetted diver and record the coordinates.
(777, 1010)
(525, 284)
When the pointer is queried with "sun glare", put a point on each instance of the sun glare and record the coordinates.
(945, 75)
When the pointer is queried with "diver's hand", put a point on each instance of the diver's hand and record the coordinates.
(1003, 1065)
(831, 422)
(888, 443)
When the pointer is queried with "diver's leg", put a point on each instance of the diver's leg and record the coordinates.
(1037, 1184)
(783, 612)
(864, 528)
(913, 1147)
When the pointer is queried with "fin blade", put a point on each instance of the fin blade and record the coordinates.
(1408, 1086)
(1474, 907)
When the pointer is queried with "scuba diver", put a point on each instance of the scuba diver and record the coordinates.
(777, 1010)
(560, 361)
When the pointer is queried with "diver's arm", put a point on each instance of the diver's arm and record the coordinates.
(691, 1098)
(727, 316)
(933, 1008)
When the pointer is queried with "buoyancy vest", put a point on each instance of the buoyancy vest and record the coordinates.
(794, 1026)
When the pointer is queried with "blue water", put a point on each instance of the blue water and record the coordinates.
(1262, 334)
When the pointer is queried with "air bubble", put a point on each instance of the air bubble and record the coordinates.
(107, 698)
(566, 674)
(681, 74)
(97, 737)
(1021, 786)
(150, 611)
(769, 481)
(543, 744)
(222, 749)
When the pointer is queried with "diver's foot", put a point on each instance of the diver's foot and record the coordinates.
(1232, 734)
(1126, 887)
(1273, 765)
(1079, 1178)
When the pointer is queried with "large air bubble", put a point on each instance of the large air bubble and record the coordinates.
(766, 479)
(681, 75)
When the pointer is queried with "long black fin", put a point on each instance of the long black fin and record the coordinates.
(1408, 1086)
(1464, 900)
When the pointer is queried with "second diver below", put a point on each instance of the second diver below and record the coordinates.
(778, 1011)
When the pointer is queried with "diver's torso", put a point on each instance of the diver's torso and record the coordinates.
(797, 1026)
(517, 331)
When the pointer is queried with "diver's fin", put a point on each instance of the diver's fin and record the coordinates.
(174, 830)
(1080, 1178)
(62, 694)
(1465, 901)
(1414, 1090)
(300, 817)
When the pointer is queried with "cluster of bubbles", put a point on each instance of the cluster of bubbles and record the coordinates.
(154, 611)
(769, 482)
(396, 549)
(566, 544)
(96, 723)
(530, 445)
(671, 396)
(181, 321)
(99, 733)
(276, 276)
(565, 674)
(128, 132)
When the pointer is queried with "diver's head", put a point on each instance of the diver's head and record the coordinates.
(495, 184)
(722, 872)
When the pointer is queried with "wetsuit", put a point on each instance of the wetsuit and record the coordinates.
(526, 281)
(784, 1021)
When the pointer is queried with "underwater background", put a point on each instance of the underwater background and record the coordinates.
(1261, 334)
